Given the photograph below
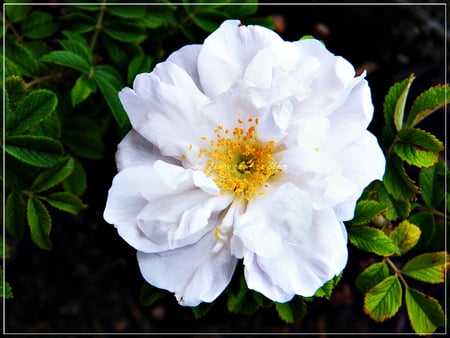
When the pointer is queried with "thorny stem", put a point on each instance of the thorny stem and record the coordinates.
(98, 25)
(396, 270)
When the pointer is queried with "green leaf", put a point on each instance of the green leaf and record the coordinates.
(50, 177)
(432, 184)
(50, 126)
(79, 22)
(418, 147)
(79, 48)
(261, 300)
(141, 63)
(425, 222)
(326, 290)
(110, 83)
(209, 19)
(15, 87)
(68, 59)
(4, 248)
(397, 182)
(366, 211)
(39, 151)
(427, 103)
(76, 182)
(291, 311)
(125, 31)
(201, 310)
(372, 240)
(16, 13)
(5, 288)
(15, 215)
(242, 301)
(246, 7)
(371, 276)
(405, 236)
(149, 294)
(66, 201)
(83, 87)
(37, 106)
(39, 222)
(22, 58)
(384, 299)
(424, 312)
(38, 25)
(127, 12)
(428, 267)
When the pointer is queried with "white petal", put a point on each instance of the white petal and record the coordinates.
(227, 52)
(194, 273)
(186, 58)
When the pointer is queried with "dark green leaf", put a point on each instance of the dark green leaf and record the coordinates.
(76, 182)
(37, 48)
(79, 48)
(158, 16)
(244, 8)
(424, 312)
(373, 240)
(201, 310)
(291, 311)
(395, 208)
(432, 184)
(15, 215)
(366, 211)
(40, 223)
(5, 288)
(405, 236)
(84, 86)
(371, 276)
(428, 267)
(418, 147)
(427, 103)
(16, 13)
(242, 301)
(38, 25)
(384, 299)
(39, 151)
(15, 87)
(127, 12)
(4, 248)
(68, 59)
(125, 31)
(209, 20)
(37, 106)
(425, 222)
(140, 64)
(22, 58)
(150, 294)
(66, 201)
(261, 300)
(79, 22)
(397, 182)
(50, 177)
(50, 126)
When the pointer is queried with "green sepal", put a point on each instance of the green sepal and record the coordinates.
(429, 267)
(383, 300)
(291, 311)
(372, 240)
(371, 276)
(39, 222)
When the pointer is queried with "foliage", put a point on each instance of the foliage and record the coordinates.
(64, 66)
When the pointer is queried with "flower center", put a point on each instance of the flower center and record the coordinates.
(239, 162)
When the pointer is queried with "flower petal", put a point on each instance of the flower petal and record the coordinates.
(227, 52)
(195, 273)
(186, 58)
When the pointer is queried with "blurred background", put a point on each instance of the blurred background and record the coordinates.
(90, 283)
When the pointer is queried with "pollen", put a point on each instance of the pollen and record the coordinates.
(238, 162)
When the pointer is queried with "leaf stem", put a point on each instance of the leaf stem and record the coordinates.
(396, 270)
(98, 25)
(13, 29)
(432, 210)
(44, 78)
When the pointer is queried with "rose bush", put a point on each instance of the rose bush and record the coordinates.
(245, 147)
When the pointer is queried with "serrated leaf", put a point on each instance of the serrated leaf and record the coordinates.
(141, 63)
(150, 294)
(5, 288)
(202, 309)
(37, 106)
(16, 13)
(291, 311)
(427, 103)
(326, 290)
(366, 211)
(242, 301)
(83, 87)
(79, 48)
(38, 25)
(424, 312)
(397, 182)
(428, 267)
(127, 12)
(15, 88)
(50, 126)
(66, 201)
(383, 300)
(371, 276)
(67, 59)
(50, 177)
(79, 22)
(405, 236)
(39, 222)
(39, 151)
(76, 182)
(125, 31)
(110, 83)
(418, 147)
(372, 240)
(261, 300)
(426, 224)
(432, 184)
(15, 215)
(17, 54)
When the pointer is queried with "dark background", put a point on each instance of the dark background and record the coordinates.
(90, 282)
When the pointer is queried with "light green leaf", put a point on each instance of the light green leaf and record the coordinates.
(405, 236)
(76, 182)
(292, 310)
(371, 276)
(426, 103)
(373, 240)
(66, 201)
(125, 31)
(418, 147)
(16, 13)
(15, 215)
(384, 299)
(5, 288)
(68, 59)
(50, 177)
(38, 25)
(428, 267)
(39, 151)
(326, 290)
(37, 106)
(424, 312)
(39, 222)
(141, 63)
(397, 182)
(150, 294)
(83, 87)
(366, 211)
(432, 184)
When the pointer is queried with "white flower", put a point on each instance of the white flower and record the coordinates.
(246, 147)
